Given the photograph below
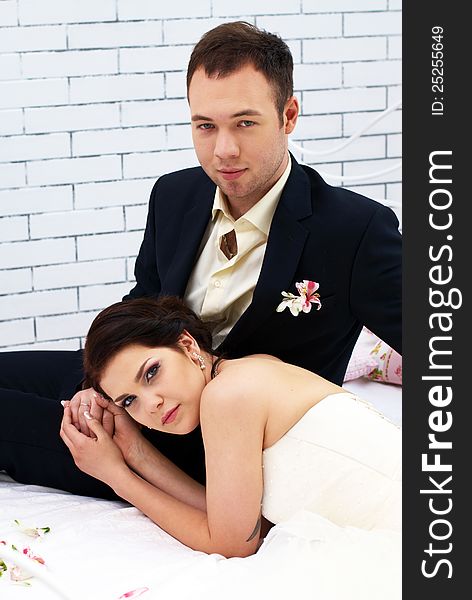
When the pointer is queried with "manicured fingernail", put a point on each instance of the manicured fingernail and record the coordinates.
(87, 415)
(63, 402)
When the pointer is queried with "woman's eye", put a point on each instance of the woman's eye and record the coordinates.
(151, 372)
(126, 402)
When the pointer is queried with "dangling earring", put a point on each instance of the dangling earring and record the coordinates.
(200, 359)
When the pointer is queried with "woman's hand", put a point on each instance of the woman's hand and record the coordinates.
(97, 456)
(87, 400)
(126, 432)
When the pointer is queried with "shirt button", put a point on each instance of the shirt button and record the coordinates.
(217, 283)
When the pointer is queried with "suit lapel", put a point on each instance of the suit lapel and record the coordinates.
(194, 223)
(285, 245)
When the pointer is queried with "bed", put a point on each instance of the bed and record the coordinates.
(105, 550)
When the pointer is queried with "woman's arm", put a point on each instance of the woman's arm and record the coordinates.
(233, 441)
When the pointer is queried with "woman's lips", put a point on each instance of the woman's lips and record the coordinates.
(170, 415)
(231, 174)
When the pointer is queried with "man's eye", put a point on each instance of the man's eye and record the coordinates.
(246, 123)
(151, 372)
(205, 126)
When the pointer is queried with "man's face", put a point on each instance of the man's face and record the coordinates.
(238, 137)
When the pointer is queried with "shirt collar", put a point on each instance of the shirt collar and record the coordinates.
(260, 215)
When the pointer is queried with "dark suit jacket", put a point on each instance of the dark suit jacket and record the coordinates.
(347, 243)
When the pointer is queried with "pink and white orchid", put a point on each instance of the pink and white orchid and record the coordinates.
(308, 296)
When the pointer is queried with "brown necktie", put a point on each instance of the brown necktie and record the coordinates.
(229, 244)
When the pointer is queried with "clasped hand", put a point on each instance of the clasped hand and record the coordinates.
(102, 438)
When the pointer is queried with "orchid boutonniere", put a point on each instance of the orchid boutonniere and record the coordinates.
(308, 296)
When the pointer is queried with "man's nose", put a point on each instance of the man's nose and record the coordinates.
(226, 146)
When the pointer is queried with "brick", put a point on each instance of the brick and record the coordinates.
(31, 253)
(79, 273)
(325, 126)
(8, 13)
(113, 35)
(387, 72)
(344, 100)
(72, 118)
(332, 6)
(179, 136)
(373, 23)
(129, 10)
(32, 12)
(96, 297)
(153, 164)
(394, 145)
(316, 77)
(394, 94)
(109, 245)
(295, 47)
(12, 175)
(116, 87)
(117, 141)
(344, 49)
(188, 31)
(130, 263)
(13, 228)
(176, 86)
(376, 192)
(70, 63)
(38, 303)
(32, 200)
(394, 46)
(360, 149)
(302, 26)
(74, 170)
(394, 192)
(15, 280)
(71, 344)
(362, 170)
(329, 171)
(16, 332)
(151, 60)
(77, 222)
(113, 193)
(33, 92)
(11, 121)
(30, 147)
(354, 122)
(135, 217)
(24, 39)
(10, 66)
(155, 112)
(229, 8)
(65, 326)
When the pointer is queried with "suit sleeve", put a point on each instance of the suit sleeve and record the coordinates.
(145, 270)
(376, 285)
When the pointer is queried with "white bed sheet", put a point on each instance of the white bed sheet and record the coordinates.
(99, 550)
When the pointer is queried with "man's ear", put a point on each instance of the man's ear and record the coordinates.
(291, 110)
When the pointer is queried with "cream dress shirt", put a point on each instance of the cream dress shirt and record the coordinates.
(220, 290)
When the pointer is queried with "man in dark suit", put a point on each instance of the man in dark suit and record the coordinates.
(229, 237)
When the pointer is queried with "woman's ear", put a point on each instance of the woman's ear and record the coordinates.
(188, 343)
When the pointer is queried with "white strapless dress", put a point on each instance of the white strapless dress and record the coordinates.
(342, 461)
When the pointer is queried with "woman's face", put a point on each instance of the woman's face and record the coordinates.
(159, 387)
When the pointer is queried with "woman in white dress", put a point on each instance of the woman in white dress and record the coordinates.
(278, 439)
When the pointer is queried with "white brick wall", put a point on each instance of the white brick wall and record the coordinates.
(93, 109)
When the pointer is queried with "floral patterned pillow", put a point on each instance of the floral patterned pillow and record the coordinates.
(374, 359)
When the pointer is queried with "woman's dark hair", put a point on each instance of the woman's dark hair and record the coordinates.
(230, 46)
(150, 322)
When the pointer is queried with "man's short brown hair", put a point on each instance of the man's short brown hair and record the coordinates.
(230, 46)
